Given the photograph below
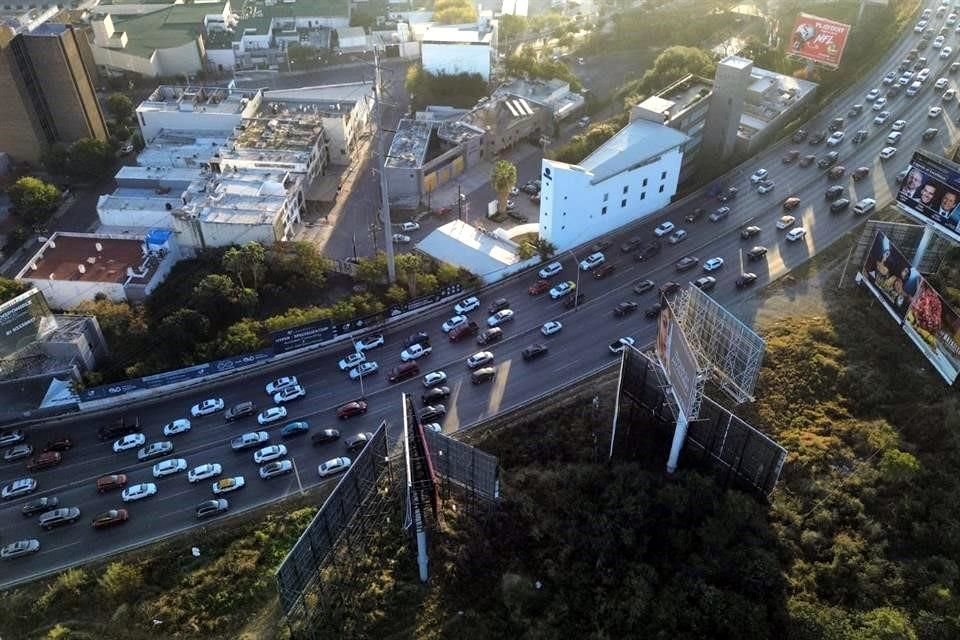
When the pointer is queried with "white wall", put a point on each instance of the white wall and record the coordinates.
(147, 217)
(224, 234)
(456, 58)
(116, 59)
(334, 22)
(151, 122)
(66, 294)
(571, 209)
(221, 57)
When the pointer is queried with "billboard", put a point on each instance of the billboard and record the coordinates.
(818, 40)
(921, 312)
(679, 363)
(931, 193)
(22, 320)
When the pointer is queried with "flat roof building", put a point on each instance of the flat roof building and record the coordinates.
(196, 108)
(554, 95)
(460, 48)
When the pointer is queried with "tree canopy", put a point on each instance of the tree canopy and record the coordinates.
(503, 178)
(33, 200)
(454, 12)
(120, 107)
(461, 90)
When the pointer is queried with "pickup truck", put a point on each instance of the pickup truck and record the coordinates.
(119, 428)
(464, 330)
(414, 352)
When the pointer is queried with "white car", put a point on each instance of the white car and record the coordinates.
(678, 236)
(945, 52)
(621, 343)
(592, 260)
(203, 472)
(796, 234)
(879, 104)
(138, 492)
(835, 138)
(713, 264)
(873, 94)
(280, 383)
(864, 206)
(434, 378)
(550, 328)
(19, 548)
(17, 488)
(169, 467)
(290, 393)
(934, 112)
(888, 152)
(941, 84)
(414, 352)
(466, 305)
(899, 125)
(952, 19)
(399, 238)
(274, 469)
(882, 117)
(410, 226)
(500, 317)
(890, 78)
(369, 342)
(562, 289)
(181, 425)
(333, 466)
(269, 454)
(949, 95)
(923, 74)
(433, 426)
(272, 415)
(766, 187)
(480, 358)
(226, 485)
(208, 406)
(349, 362)
(920, 26)
(550, 270)
(128, 442)
(664, 228)
(758, 176)
(785, 221)
(453, 323)
(364, 369)
(937, 42)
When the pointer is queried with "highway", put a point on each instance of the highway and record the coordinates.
(580, 346)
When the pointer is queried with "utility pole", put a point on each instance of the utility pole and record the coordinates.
(381, 162)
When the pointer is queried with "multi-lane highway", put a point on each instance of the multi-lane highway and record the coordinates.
(580, 346)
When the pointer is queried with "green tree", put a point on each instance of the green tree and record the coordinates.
(90, 159)
(503, 178)
(10, 289)
(395, 294)
(545, 248)
(254, 257)
(121, 581)
(55, 158)
(296, 266)
(241, 337)
(219, 299)
(447, 274)
(372, 271)
(409, 265)
(120, 107)
(454, 12)
(511, 27)
(33, 200)
(180, 333)
(427, 283)
(232, 261)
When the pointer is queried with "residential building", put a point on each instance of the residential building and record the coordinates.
(631, 176)
(265, 28)
(196, 109)
(71, 268)
(46, 87)
(462, 48)
(185, 149)
(427, 154)
(554, 95)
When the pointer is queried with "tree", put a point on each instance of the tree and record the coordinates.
(296, 266)
(90, 159)
(121, 581)
(181, 331)
(55, 158)
(545, 248)
(504, 178)
(454, 12)
(33, 200)
(254, 257)
(395, 294)
(219, 299)
(241, 337)
(409, 264)
(372, 271)
(10, 289)
(302, 56)
(447, 274)
(120, 107)
(232, 261)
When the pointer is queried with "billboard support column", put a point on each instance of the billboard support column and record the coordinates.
(679, 435)
(922, 247)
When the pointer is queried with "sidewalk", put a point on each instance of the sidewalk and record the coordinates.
(477, 177)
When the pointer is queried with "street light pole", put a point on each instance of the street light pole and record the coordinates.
(297, 473)
(576, 289)
(381, 162)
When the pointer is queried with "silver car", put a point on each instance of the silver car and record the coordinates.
(19, 549)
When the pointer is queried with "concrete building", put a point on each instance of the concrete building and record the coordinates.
(186, 149)
(463, 48)
(726, 107)
(196, 109)
(632, 175)
(46, 87)
(290, 142)
(554, 95)
(772, 100)
(427, 154)
(73, 267)
(351, 39)
(506, 121)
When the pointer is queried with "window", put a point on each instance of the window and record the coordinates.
(625, 189)
(603, 211)
(606, 196)
(623, 203)
(661, 188)
(643, 194)
(644, 182)
(663, 176)
(562, 227)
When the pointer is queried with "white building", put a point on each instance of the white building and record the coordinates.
(196, 109)
(71, 268)
(629, 177)
(460, 48)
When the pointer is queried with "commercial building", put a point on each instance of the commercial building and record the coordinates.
(461, 48)
(46, 87)
(553, 95)
(73, 267)
(629, 177)
(196, 109)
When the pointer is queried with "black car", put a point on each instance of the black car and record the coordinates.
(600, 245)
(324, 436)
(728, 195)
(748, 232)
(651, 249)
(834, 192)
(894, 91)
(694, 215)
(434, 394)
(839, 205)
(573, 301)
(818, 137)
(631, 245)
(241, 410)
(859, 136)
(60, 443)
(431, 413)
(806, 161)
(358, 442)
(534, 351)
(799, 135)
(498, 305)
(121, 427)
(745, 280)
(643, 286)
(625, 308)
(421, 337)
(706, 283)
(653, 311)
(295, 429)
(39, 505)
(828, 160)
(687, 263)
(668, 288)
(211, 508)
(756, 253)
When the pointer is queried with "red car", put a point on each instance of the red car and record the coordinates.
(459, 333)
(351, 409)
(110, 518)
(45, 461)
(538, 287)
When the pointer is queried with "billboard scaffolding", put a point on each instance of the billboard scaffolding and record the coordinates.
(685, 375)
(818, 40)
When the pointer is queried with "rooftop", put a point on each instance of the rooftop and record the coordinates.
(325, 98)
(169, 176)
(737, 62)
(137, 200)
(768, 96)
(23, 20)
(465, 246)
(198, 99)
(632, 146)
(260, 9)
(173, 26)
(678, 97)
(275, 139)
(173, 148)
(542, 91)
(84, 257)
(409, 146)
(247, 197)
(458, 33)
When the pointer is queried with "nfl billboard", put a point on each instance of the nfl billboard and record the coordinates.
(679, 363)
(818, 40)
(916, 306)
(931, 193)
